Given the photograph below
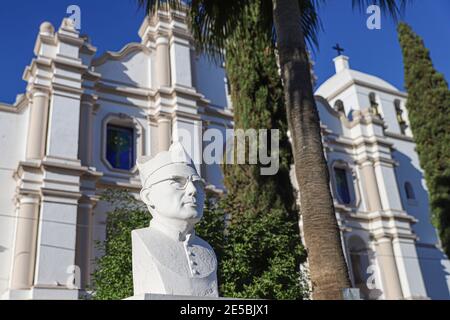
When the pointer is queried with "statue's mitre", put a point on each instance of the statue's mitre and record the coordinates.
(159, 167)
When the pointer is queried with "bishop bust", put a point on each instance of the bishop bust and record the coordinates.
(168, 257)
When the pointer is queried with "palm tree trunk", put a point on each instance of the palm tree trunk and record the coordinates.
(328, 269)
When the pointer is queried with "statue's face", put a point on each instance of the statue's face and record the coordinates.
(180, 196)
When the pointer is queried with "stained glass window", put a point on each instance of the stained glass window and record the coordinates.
(342, 185)
(120, 147)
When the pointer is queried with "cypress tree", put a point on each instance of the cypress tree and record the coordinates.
(429, 114)
(262, 251)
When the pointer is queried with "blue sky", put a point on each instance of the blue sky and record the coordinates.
(113, 23)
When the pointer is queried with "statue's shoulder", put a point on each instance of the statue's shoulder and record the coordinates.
(162, 250)
(140, 233)
(151, 238)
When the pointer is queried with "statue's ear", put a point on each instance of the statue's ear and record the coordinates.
(145, 196)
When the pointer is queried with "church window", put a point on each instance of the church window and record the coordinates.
(339, 106)
(399, 114)
(120, 147)
(342, 186)
(409, 191)
(374, 107)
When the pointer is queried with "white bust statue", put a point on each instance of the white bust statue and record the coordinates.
(168, 258)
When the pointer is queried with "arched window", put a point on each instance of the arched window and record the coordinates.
(409, 191)
(374, 108)
(120, 151)
(339, 106)
(399, 113)
(342, 186)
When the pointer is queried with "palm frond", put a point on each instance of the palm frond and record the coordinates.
(310, 21)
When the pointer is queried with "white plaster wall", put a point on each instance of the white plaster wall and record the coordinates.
(180, 55)
(409, 170)
(363, 97)
(388, 110)
(67, 50)
(409, 268)
(210, 81)
(133, 69)
(387, 185)
(213, 172)
(48, 50)
(63, 127)
(435, 268)
(350, 99)
(56, 242)
(327, 118)
(12, 149)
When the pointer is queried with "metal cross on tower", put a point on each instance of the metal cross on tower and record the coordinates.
(338, 48)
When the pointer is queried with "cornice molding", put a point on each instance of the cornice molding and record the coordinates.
(117, 55)
(363, 117)
(19, 106)
(398, 136)
(354, 82)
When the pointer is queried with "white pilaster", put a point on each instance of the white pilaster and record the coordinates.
(390, 276)
(37, 129)
(25, 243)
(409, 268)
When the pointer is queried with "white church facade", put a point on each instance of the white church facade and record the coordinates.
(83, 121)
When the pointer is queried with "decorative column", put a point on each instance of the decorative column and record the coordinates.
(386, 259)
(371, 186)
(164, 133)
(384, 250)
(37, 129)
(162, 63)
(28, 213)
(84, 239)
(25, 243)
(86, 121)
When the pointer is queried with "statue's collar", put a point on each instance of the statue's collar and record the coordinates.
(181, 231)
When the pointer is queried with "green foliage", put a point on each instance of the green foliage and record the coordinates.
(429, 114)
(212, 226)
(262, 249)
(113, 278)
